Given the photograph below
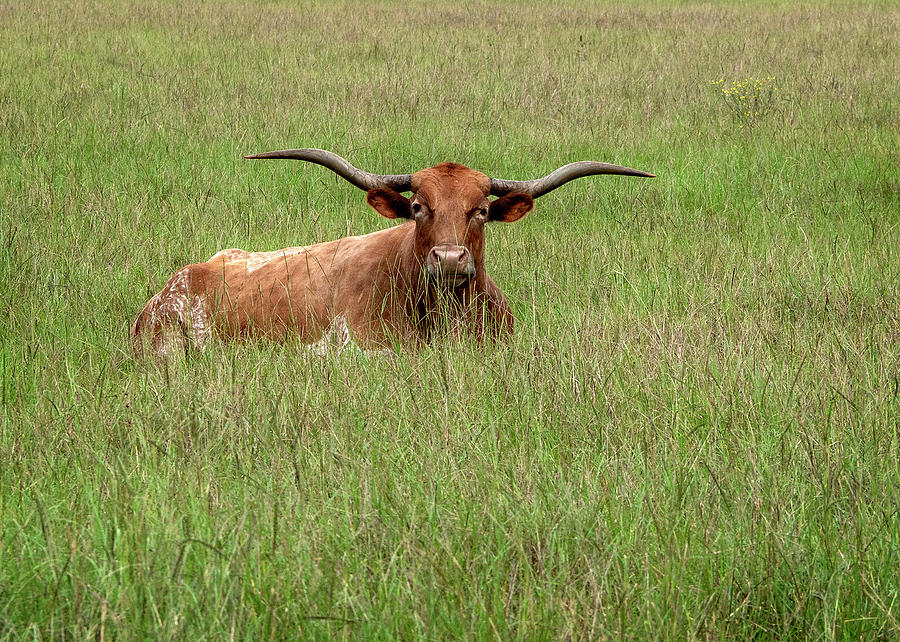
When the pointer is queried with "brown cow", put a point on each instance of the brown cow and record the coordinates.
(394, 287)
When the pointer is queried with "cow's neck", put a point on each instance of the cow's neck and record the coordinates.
(442, 310)
(433, 309)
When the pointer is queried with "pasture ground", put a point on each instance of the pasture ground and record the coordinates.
(695, 431)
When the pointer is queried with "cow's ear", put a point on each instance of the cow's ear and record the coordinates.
(511, 207)
(388, 203)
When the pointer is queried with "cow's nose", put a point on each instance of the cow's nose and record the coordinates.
(450, 260)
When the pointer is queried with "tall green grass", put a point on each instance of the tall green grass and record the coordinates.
(695, 431)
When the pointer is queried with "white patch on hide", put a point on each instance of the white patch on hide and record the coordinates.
(255, 260)
(181, 317)
(171, 300)
(229, 254)
(200, 324)
(335, 338)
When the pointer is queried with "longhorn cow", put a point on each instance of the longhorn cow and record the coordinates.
(391, 287)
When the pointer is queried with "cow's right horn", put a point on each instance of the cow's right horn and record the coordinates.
(338, 165)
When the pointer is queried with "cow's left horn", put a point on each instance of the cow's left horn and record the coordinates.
(340, 166)
(566, 173)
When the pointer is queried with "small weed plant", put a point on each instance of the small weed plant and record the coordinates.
(749, 99)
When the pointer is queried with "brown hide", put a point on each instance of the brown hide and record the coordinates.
(378, 284)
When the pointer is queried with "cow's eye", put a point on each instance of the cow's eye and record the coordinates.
(417, 210)
(481, 213)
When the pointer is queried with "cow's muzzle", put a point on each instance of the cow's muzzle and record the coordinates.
(451, 264)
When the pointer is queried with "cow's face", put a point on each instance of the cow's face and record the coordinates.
(450, 206)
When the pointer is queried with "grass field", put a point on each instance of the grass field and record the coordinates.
(695, 432)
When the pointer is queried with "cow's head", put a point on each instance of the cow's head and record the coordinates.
(450, 205)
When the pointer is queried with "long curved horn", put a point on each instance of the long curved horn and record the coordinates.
(338, 165)
(566, 173)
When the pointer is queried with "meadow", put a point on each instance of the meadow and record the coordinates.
(694, 432)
